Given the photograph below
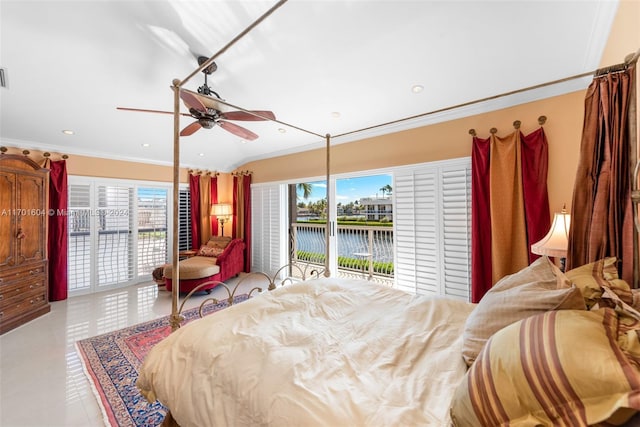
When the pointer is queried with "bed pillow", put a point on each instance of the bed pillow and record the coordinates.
(210, 251)
(219, 241)
(593, 277)
(535, 289)
(568, 367)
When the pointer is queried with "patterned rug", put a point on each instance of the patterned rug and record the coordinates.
(111, 363)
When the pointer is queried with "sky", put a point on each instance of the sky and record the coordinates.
(350, 189)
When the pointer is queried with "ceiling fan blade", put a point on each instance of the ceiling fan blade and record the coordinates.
(208, 101)
(139, 110)
(238, 130)
(189, 130)
(243, 115)
(192, 101)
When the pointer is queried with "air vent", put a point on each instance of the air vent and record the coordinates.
(3, 77)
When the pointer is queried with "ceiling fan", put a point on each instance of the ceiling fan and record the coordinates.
(207, 111)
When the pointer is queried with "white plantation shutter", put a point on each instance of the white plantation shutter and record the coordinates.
(115, 226)
(268, 237)
(184, 219)
(416, 266)
(79, 237)
(455, 186)
(432, 228)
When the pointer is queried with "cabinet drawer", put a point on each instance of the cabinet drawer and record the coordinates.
(24, 304)
(20, 273)
(16, 291)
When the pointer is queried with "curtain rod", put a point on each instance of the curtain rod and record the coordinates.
(516, 125)
(630, 59)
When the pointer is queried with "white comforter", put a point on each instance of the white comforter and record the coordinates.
(328, 352)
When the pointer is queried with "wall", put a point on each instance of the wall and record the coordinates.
(451, 139)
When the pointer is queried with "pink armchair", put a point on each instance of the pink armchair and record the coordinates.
(200, 269)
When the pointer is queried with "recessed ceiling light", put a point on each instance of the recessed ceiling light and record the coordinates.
(335, 114)
(282, 130)
(145, 144)
(417, 88)
(201, 154)
(68, 132)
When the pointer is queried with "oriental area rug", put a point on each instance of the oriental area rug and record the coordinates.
(111, 363)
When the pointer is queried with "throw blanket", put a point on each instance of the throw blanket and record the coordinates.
(322, 352)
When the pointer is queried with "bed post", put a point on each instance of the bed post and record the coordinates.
(328, 225)
(175, 317)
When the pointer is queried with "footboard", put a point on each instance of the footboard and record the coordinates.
(288, 273)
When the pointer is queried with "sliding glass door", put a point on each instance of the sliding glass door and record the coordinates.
(117, 233)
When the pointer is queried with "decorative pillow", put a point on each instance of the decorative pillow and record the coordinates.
(210, 251)
(535, 289)
(566, 367)
(593, 277)
(219, 241)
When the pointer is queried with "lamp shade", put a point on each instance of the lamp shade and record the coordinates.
(556, 242)
(221, 210)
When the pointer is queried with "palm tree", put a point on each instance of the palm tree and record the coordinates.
(386, 189)
(305, 188)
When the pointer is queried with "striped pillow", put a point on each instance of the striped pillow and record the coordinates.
(593, 277)
(567, 367)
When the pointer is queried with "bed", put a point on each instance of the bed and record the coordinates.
(337, 352)
(314, 353)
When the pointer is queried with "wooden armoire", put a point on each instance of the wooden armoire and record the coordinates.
(24, 216)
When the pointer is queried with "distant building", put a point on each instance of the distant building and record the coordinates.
(377, 208)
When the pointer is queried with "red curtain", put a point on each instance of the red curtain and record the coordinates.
(214, 200)
(480, 220)
(242, 214)
(510, 205)
(57, 243)
(194, 190)
(535, 166)
(602, 216)
(247, 222)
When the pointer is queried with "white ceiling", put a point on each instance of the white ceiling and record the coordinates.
(71, 63)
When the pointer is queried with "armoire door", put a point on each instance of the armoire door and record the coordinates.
(7, 218)
(31, 231)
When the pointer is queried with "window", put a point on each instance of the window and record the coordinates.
(431, 236)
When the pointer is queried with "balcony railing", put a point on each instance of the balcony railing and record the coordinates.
(363, 251)
(115, 263)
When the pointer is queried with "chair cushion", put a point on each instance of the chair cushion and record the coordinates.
(210, 251)
(219, 241)
(195, 267)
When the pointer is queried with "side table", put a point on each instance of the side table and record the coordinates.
(186, 254)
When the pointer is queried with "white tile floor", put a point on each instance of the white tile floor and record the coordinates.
(41, 378)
